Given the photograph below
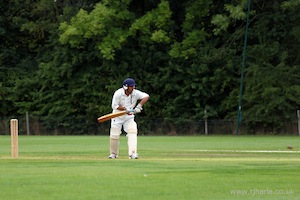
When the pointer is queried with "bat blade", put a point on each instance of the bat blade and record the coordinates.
(111, 115)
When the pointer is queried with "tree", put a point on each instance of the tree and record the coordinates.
(272, 89)
(62, 60)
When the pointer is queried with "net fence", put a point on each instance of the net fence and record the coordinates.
(150, 126)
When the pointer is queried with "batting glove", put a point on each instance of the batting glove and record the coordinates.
(129, 111)
(138, 109)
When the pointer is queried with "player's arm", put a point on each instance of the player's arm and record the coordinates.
(145, 97)
(144, 100)
(121, 108)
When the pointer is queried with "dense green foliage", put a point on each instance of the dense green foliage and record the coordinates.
(62, 60)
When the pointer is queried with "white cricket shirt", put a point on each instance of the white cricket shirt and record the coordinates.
(121, 99)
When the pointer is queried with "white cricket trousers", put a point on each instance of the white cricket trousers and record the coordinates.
(130, 127)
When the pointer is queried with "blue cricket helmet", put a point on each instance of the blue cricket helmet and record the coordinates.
(129, 82)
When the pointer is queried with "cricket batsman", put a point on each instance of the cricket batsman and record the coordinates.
(132, 100)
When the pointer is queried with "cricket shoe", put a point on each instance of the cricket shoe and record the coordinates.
(134, 156)
(112, 156)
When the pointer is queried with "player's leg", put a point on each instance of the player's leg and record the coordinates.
(130, 127)
(115, 132)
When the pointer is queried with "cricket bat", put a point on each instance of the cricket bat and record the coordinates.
(111, 115)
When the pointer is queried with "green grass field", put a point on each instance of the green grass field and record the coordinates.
(169, 168)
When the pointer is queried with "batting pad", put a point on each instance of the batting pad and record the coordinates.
(132, 143)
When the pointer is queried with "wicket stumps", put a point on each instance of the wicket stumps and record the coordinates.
(14, 138)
